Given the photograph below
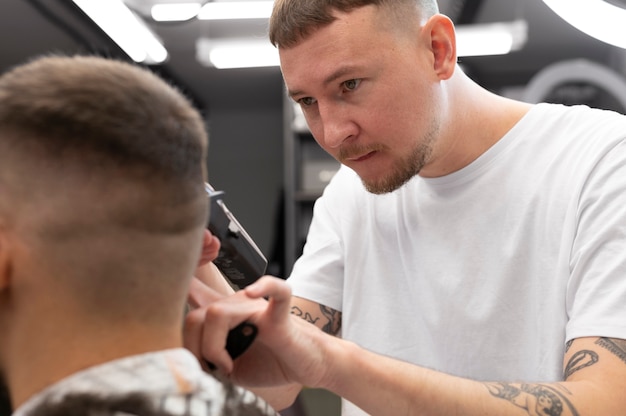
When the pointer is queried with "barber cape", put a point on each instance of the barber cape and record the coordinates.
(172, 381)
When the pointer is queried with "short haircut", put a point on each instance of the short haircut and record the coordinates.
(294, 20)
(102, 173)
(104, 123)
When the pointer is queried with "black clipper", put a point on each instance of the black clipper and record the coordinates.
(239, 259)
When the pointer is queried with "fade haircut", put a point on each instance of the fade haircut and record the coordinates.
(109, 127)
(102, 172)
(294, 20)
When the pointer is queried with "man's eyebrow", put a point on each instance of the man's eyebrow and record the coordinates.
(293, 93)
(339, 73)
(334, 76)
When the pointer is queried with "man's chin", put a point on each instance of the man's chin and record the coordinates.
(385, 186)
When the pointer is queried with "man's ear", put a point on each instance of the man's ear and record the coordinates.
(443, 45)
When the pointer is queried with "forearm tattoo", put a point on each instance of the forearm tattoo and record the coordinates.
(535, 399)
(331, 318)
(580, 360)
(553, 399)
(304, 315)
(616, 346)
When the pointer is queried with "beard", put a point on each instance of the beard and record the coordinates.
(405, 169)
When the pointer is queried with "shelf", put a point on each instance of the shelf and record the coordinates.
(306, 196)
(308, 169)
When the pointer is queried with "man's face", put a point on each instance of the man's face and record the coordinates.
(369, 96)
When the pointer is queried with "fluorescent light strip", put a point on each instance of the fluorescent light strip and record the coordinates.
(236, 10)
(126, 29)
(244, 53)
(596, 18)
(472, 40)
(491, 38)
(175, 12)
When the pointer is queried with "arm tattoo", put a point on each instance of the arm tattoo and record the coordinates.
(536, 399)
(569, 345)
(332, 323)
(333, 316)
(304, 315)
(616, 346)
(580, 360)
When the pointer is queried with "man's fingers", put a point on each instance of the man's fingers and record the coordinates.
(201, 295)
(277, 290)
(192, 332)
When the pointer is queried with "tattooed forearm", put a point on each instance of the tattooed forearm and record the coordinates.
(616, 346)
(535, 399)
(332, 318)
(580, 360)
(304, 315)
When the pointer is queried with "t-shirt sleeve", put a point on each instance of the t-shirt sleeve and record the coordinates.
(596, 296)
(318, 274)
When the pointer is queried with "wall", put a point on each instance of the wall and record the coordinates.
(246, 161)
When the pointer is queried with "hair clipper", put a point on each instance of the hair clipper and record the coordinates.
(239, 259)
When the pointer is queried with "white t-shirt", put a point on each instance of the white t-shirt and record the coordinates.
(487, 272)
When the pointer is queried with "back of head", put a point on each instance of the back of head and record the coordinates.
(102, 171)
(293, 20)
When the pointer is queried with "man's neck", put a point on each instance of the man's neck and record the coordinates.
(43, 356)
(476, 120)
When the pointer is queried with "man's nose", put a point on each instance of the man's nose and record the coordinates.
(337, 124)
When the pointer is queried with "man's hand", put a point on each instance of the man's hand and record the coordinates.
(286, 349)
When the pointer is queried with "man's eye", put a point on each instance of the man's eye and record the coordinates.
(351, 84)
(306, 101)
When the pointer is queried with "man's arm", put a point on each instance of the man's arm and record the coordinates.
(323, 317)
(595, 385)
(210, 286)
(594, 370)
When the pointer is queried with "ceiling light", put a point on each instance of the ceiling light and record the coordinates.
(596, 18)
(175, 12)
(472, 40)
(126, 29)
(491, 38)
(245, 53)
(221, 10)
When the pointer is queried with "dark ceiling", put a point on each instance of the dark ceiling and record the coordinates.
(32, 27)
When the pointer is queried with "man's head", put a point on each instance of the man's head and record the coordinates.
(370, 78)
(102, 199)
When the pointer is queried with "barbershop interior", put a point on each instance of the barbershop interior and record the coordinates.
(262, 155)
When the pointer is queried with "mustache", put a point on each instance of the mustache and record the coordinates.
(352, 151)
